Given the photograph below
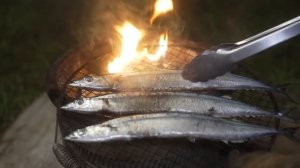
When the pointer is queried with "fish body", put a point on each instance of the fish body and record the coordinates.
(170, 125)
(166, 80)
(132, 103)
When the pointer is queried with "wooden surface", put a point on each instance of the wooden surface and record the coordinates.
(28, 142)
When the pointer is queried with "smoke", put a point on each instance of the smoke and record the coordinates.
(98, 18)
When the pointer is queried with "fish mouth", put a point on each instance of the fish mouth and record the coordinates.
(67, 107)
(90, 86)
(75, 84)
(82, 110)
(71, 138)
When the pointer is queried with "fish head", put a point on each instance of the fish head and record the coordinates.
(84, 105)
(90, 81)
(91, 134)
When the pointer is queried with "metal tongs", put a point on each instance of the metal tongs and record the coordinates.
(218, 60)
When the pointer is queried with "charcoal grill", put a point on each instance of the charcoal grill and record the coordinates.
(92, 58)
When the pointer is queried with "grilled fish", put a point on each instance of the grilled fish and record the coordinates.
(170, 125)
(132, 102)
(166, 80)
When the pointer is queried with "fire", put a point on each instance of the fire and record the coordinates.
(161, 7)
(131, 37)
(161, 51)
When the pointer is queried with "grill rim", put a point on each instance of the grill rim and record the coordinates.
(53, 89)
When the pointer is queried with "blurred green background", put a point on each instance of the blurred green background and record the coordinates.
(34, 33)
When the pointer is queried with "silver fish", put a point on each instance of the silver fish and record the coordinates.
(170, 125)
(166, 80)
(132, 103)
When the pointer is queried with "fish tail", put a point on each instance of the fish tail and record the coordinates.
(289, 98)
(285, 113)
(289, 132)
(283, 87)
(282, 91)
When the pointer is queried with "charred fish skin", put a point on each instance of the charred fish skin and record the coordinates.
(169, 125)
(133, 103)
(166, 80)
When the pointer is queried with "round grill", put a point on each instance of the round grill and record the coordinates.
(93, 58)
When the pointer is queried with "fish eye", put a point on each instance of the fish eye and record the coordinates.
(82, 132)
(88, 78)
(79, 102)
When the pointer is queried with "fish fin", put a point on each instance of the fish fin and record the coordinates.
(289, 132)
(211, 111)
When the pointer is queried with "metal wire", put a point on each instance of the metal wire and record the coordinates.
(147, 153)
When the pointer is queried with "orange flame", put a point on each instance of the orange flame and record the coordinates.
(131, 37)
(161, 51)
(161, 7)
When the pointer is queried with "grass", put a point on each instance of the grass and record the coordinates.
(29, 44)
(34, 33)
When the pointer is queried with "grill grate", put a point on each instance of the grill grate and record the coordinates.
(93, 59)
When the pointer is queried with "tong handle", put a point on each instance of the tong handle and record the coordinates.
(262, 41)
(219, 60)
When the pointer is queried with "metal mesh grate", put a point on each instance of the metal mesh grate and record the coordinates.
(143, 153)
